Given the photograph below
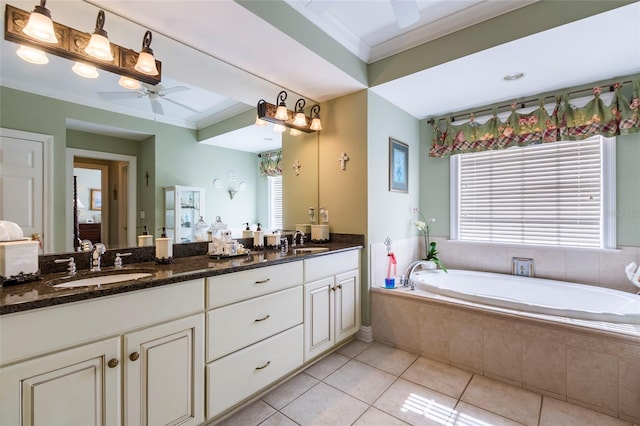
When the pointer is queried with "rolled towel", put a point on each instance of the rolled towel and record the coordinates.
(10, 231)
(633, 273)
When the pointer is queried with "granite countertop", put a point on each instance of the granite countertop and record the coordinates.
(40, 294)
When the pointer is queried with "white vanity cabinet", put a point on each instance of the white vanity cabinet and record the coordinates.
(254, 332)
(331, 301)
(135, 356)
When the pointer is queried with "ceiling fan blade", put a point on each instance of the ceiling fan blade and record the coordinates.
(406, 12)
(156, 107)
(175, 89)
(110, 96)
(181, 104)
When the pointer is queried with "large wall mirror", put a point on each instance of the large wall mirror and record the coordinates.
(195, 129)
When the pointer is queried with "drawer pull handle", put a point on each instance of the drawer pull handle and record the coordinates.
(266, 317)
(262, 367)
(113, 363)
(340, 286)
(263, 281)
(134, 356)
(333, 289)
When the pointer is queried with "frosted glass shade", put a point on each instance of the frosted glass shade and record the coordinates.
(146, 64)
(84, 70)
(316, 124)
(33, 56)
(129, 83)
(99, 48)
(300, 119)
(40, 27)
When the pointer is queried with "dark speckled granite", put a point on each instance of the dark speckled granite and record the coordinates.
(39, 294)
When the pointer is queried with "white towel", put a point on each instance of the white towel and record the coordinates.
(10, 231)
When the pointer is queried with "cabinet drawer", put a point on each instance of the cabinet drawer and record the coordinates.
(324, 266)
(229, 288)
(235, 326)
(236, 377)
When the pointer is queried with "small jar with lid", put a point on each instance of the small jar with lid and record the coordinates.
(200, 230)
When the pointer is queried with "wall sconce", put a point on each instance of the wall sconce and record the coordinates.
(282, 118)
(89, 50)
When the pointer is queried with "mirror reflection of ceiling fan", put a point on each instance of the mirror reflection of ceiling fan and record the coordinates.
(405, 11)
(154, 93)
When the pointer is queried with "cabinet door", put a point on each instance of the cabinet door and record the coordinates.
(318, 317)
(347, 310)
(79, 386)
(164, 374)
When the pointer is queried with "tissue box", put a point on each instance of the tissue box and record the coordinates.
(320, 233)
(18, 256)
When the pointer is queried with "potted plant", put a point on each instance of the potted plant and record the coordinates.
(424, 226)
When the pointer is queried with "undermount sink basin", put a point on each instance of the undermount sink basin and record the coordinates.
(309, 250)
(99, 280)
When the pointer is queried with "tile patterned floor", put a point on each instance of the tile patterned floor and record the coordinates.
(374, 384)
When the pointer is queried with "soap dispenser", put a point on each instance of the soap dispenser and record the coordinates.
(164, 248)
(247, 232)
(258, 238)
(145, 240)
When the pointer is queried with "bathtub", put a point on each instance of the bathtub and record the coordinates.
(533, 295)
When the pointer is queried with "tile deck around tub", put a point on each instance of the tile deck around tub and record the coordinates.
(374, 384)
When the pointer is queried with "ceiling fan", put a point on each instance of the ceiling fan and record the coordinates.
(405, 11)
(154, 93)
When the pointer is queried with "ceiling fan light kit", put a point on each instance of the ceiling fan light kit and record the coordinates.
(37, 31)
(282, 118)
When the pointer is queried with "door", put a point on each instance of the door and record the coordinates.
(80, 386)
(319, 312)
(347, 305)
(164, 374)
(23, 161)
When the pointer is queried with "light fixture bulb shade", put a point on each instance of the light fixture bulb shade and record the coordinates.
(300, 119)
(295, 132)
(99, 47)
(281, 112)
(40, 26)
(260, 122)
(84, 70)
(129, 83)
(146, 64)
(33, 56)
(278, 128)
(316, 124)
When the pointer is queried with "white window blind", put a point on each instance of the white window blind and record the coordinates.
(275, 201)
(550, 194)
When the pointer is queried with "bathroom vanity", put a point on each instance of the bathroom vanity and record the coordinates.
(186, 346)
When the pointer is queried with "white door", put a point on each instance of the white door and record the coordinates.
(22, 176)
(347, 305)
(318, 321)
(80, 386)
(164, 374)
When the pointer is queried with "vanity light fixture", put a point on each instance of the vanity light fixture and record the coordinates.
(296, 121)
(129, 83)
(84, 70)
(31, 31)
(40, 25)
(99, 46)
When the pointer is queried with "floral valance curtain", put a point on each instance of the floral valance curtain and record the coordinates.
(271, 163)
(566, 123)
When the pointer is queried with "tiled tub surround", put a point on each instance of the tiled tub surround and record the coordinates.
(596, 369)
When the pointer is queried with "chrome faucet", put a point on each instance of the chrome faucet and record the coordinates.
(405, 279)
(96, 255)
(118, 262)
(295, 238)
(71, 265)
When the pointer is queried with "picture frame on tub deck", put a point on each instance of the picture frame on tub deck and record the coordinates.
(398, 166)
(522, 266)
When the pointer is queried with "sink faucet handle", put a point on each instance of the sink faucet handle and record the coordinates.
(71, 264)
(118, 262)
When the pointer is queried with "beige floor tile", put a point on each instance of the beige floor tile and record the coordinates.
(375, 417)
(251, 415)
(560, 413)
(326, 366)
(469, 415)
(416, 404)
(437, 376)
(386, 358)
(353, 348)
(505, 400)
(361, 380)
(290, 390)
(278, 419)
(324, 405)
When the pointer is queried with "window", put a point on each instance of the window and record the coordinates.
(275, 201)
(555, 194)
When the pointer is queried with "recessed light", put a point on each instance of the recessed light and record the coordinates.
(513, 76)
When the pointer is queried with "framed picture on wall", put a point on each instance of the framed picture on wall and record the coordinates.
(96, 199)
(398, 166)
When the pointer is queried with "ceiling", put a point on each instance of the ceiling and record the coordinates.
(222, 53)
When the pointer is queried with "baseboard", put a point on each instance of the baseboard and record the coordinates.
(365, 334)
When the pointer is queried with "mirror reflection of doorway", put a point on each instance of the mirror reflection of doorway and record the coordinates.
(91, 178)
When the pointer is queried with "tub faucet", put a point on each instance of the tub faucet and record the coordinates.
(405, 279)
(96, 255)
